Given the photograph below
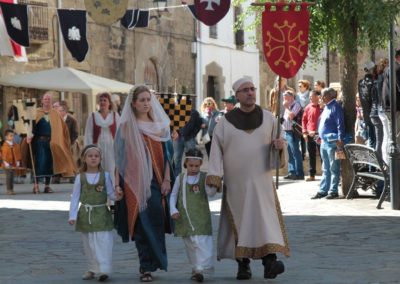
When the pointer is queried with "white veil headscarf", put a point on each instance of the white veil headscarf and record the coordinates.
(132, 158)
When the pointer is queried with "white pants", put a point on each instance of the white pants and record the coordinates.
(199, 250)
(98, 247)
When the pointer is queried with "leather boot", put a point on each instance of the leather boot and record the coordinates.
(244, 271)
(272, 266)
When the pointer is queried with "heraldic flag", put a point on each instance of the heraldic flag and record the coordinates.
(285, 37)
(16, 20)
(73, 28)
(210, 12)
(177, 107)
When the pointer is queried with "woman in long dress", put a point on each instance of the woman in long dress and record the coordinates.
(143, 151)
(101, 127)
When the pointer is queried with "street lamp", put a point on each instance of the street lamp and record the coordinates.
(394, 153)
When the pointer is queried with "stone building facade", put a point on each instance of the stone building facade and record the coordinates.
(159, 55)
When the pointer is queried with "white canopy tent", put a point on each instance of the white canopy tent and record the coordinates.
(66, 79)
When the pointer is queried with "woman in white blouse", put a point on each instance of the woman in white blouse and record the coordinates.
(101, 127)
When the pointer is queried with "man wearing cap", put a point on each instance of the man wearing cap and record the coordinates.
(229, 104)
(243, 152)
(292, 128)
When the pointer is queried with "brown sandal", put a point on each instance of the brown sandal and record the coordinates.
(146, 277)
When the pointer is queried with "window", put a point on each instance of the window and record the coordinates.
(38, 21)
(239, 33)
(213, 32)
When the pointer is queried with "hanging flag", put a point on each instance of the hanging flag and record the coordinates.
(129, 20)
(73, 28)
(106, 12)
(192, 9)
(285, 37)
(16, 21)
(135, 19)
(5, 43)
(177, 107)
(143, 19)
(18, 50)
(210, 12)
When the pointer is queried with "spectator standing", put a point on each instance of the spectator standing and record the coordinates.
(359, 129)
(184, 138)
(310, 120)
(229, 104)
(273, 96)
(210, 114)
(303, 95)
(331, 132)
(291, 120)
(319, 85)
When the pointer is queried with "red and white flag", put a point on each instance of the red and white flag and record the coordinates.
(6, 43)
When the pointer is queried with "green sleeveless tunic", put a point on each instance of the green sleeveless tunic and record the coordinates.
(197, 208)
(94, 214)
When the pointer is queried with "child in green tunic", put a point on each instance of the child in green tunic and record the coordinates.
(93, 219)
(190, 210)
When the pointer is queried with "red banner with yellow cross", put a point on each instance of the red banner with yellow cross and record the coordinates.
(285, 36)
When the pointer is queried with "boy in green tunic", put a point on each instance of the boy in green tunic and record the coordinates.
(190, 210)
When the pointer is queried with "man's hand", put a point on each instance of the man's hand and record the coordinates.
(305, 136)
(174, 135)
(339, 143)
(278, 143)
(71, 222)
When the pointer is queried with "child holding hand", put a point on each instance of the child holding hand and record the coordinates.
(93, 218)
(190, 210)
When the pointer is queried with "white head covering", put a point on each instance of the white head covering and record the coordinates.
(240, 82)
(132, 158)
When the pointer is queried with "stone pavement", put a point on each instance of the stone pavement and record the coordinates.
(331, 241)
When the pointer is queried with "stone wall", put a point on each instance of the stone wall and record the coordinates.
(159, 55)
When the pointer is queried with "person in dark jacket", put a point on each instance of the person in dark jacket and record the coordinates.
(184, 138)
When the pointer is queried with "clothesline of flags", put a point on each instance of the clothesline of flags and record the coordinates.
(14, 22)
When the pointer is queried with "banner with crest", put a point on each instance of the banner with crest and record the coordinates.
(285, 30)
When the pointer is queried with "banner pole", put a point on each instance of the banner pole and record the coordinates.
(278, 132)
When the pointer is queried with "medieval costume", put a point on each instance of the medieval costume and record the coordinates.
(101, 132)
(189, 199)
(11, 156)
(94, 218)
(51, 145)
(143, 150)
(251, 223)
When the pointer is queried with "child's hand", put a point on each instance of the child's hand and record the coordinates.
(71, 222)
(175, 216)
(118, 193)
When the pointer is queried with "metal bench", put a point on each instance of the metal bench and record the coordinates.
(368, 169)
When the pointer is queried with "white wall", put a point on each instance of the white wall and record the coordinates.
(235, 63)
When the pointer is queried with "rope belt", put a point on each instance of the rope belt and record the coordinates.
(89, 208)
